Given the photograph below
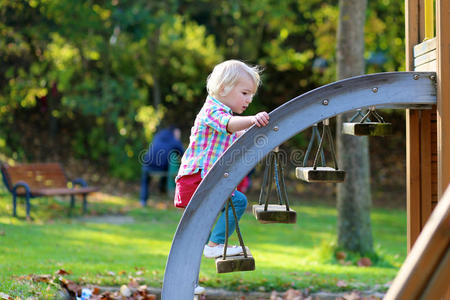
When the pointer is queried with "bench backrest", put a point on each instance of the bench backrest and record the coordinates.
(36, 175)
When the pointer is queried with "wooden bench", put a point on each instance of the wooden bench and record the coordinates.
(42, 180)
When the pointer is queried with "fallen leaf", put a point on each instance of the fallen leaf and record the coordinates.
(142, 288)
(4, 296)
(353, 296)
(364, 262)
(95, 291)
(273, 295)
(341, 283)
(41, 278)
(62, 272)
(71, 287)
(125, 291)
(341, 255)
(292, 294)
(133, 284)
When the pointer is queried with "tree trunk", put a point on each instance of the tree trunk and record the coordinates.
(353, 196)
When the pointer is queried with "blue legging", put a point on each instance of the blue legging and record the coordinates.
(240, 204)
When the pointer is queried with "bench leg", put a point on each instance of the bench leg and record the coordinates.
(14, 205)
(84, 203)
(72, 204)
(27, 199)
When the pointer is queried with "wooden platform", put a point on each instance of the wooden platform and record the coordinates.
(320, 174)
(367, 128)
(235, 263)
(274, 214)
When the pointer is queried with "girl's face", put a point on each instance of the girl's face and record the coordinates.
(241, 95)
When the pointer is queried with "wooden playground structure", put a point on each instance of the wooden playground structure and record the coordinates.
(426, 272)
(424, 91)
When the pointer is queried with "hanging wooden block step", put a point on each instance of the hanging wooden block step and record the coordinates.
(320, 174)
(367, 128)
(274, 214)
(237, 263)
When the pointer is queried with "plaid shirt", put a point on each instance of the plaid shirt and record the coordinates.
(209, 138)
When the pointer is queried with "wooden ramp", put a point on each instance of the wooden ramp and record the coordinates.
(425, 274)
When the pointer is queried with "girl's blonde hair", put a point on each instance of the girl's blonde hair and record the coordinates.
(225, 75)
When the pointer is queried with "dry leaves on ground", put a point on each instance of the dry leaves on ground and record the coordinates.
(132, 291)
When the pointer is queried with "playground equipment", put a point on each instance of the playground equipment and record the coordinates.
(425, 95)
(365, 126)
(274, 213)
(413, 90)
(322, 173)
(238, 263)
(426, 270)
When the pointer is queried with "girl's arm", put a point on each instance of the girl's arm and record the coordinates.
(237, 123)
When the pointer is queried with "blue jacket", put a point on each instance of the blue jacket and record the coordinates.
(163, 143)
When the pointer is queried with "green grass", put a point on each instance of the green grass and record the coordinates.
(105, 254)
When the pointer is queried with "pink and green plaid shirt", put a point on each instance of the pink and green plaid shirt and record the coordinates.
(209, 138)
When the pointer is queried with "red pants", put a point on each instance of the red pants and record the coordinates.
(185, 188)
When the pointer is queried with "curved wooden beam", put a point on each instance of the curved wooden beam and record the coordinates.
(394, 90)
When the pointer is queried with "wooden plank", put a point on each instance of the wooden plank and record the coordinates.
(424, 259)
(413, 185)
(320, 174)
(433, 165)
(429, 66)
(425, 166)
(274, 214)
(367, 129)
(238, 263)
(423, 59)
(412, 38)
(439, 282)
(37, 175)
(443, 93)
(64, 191)
(425, 47)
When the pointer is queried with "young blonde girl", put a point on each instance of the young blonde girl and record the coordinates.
(231, 87)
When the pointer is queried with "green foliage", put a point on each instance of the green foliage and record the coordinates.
(91, 69)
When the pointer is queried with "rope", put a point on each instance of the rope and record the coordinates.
(238, 231)
(315, 135)
(226, 231)
(263, 195)
(276, 180)
(283, 192)
(326, 131)
(319, 149)
(269, 189)
(331, 142)
(274, 169)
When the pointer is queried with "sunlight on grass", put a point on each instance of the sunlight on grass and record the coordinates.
(104, 253)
